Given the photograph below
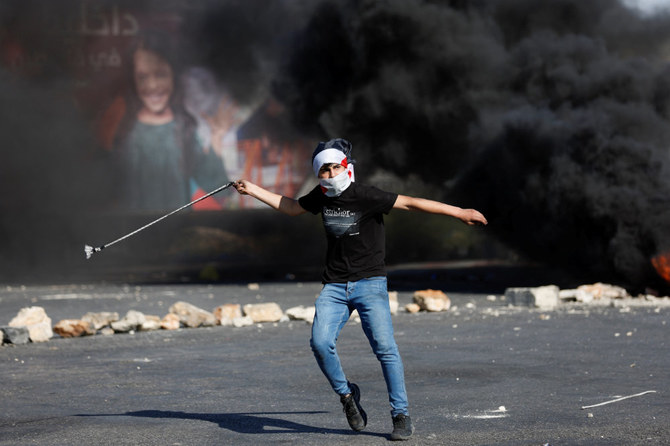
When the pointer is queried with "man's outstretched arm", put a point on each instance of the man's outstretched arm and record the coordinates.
(281, 203)
(467, 216)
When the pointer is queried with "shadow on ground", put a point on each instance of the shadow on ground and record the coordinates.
(243, 423)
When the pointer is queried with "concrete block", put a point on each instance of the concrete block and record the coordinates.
(543, 297)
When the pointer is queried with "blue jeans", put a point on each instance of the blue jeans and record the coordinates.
(333, 308)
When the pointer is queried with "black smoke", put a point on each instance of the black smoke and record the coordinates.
(50, 172)
(242, 41)
(550, 117)
(48, 177)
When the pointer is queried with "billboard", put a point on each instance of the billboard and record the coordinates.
(169, 127)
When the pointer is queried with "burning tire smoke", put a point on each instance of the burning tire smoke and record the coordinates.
(551, 118)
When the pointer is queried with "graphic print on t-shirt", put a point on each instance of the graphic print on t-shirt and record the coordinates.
(339, 222)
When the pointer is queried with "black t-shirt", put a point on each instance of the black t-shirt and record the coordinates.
(354, 225)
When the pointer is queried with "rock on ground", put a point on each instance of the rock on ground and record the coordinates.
(100, 320)
(301, 313)
(543, 297)
(226, 313)
(132, 321)
(432, 300)
(15, 335)
(192, 316)
(73, 328)
(170, 322)
(37, 322)
(266, 312)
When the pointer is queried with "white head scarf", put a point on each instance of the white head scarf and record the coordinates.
(335, 151)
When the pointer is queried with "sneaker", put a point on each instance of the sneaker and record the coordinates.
(351, 406)
(402, 427)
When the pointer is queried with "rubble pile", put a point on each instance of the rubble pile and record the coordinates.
(550, 297)
(32, 324)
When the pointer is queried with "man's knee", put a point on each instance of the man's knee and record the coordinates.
(386, 348)
(321, 345)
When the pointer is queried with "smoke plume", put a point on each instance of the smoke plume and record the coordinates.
(550, 117)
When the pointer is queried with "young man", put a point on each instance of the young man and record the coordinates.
(355, 277)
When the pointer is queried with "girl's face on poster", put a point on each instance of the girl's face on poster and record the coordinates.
(153, 80)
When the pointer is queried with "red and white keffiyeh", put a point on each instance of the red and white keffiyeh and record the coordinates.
(335, 151)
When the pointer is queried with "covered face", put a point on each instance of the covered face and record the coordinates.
(335, 151)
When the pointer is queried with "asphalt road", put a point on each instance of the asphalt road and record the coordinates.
(482, 373)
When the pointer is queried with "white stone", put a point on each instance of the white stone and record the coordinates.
(37, 322)
(192, 316)
(265, 312)
(575, 295)
(301, 313)
(432, 300)
(393, 302)
(100, 320)
(151, 323)
(226, 313)
(543, 297)
(132, 321)
(170, 322)
(412, 308)
(601, 290)
(244, 321)
(41, 332)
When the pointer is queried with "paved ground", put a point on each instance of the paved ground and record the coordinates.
(260, 384)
